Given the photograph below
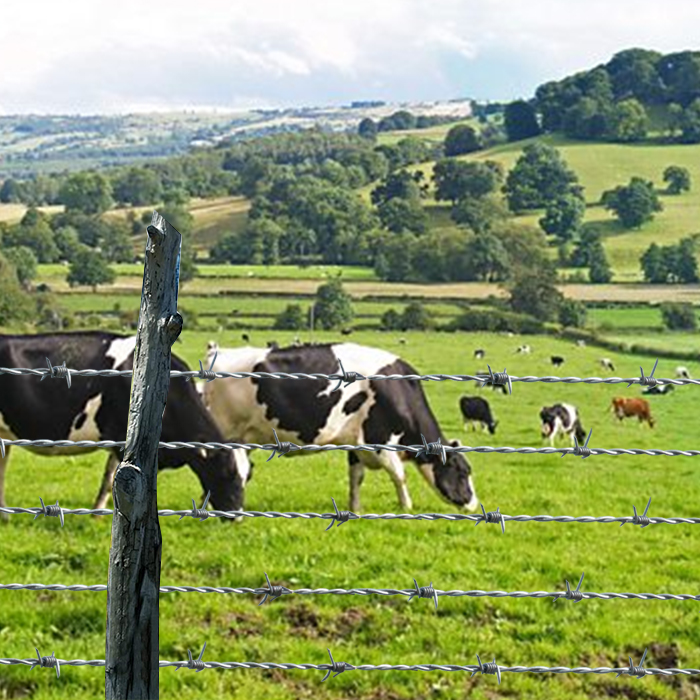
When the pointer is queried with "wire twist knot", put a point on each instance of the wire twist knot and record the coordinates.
(341, 516)
(576, 596)
(488, 668)
(337, 667)
(346, 378)
(273, 592)
(500, 379)
(208, 374)
(57, 372)
(650, 380)
(50, 511)
(424, 592)
(581, 450)
(195, 664)
(281, 448)
(638, 671)
(47, 662)
(494, 516)
(199, 513)
(642, 519)
(433, 448)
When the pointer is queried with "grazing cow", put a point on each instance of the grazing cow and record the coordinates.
(245, 338)
(682, 373)
(346, 331)
(557, 360)
(97, 408)
(606, 363)
(564, 418)
(503, 388)
(580, 343)
(659, 390)
(309, 411)
(402, 341)
(479, 354)
(477, 410)
(524, 350)
(633, 408)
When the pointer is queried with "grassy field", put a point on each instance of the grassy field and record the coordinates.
(531, 556)
(435, 134)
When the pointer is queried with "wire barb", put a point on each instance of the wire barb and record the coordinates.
(340, 517)
(576, 595)
(433, 448)
(57, 372)
(2, 448)
(208, 374)
(642, 519)
(638, 671)
(500, 379)
(346, 378)
(47, 662)
(485, 668)
(54, 511)
(337, 667)
(196, 664)
(281, 448)
(273, 592)
(424, 592)
(581, 451)
(199, 513)
(650, 380)
(494, 516)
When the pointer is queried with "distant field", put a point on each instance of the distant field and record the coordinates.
(388, 554)
(12, 213)
(435, 134)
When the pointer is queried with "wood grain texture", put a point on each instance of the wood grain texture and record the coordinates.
(131, 670)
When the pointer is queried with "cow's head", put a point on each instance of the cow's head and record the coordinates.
(453, 480)
(492, 427)
(221, 474)
(547, 418)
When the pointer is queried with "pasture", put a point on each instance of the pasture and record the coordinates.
(389, 554)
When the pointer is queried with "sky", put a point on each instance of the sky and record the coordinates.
(104, 56)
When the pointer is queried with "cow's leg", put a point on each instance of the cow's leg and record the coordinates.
(357, 475)
(3, 466)
(107, 480)
(393, 464)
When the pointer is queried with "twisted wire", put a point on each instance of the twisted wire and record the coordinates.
(355, 376)
(599, 670)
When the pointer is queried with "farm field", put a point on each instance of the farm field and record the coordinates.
(389, 554)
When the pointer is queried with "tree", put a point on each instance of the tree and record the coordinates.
(333, 306)
(291, 319)
(137, 186)
(676, 264)
(599, 271)
(462, 139)
(488, 258)
(690, 123)
(540, 175)
(563, 217)
(633, 204)
(117, 246)
(520, 121)
(481, 214)
(399, 185)
(403, 215)
(67, 242)
(416, 317)
(367, 128)
(677, 317)
(24, 261)
(572, 314)
(174, 210)
(677, 178)
(587, 119)
(90, 269)
(34, 232)
(15, 303)
(393, 261)
(653, 265)
(629, 122)
(87, 192)
(534, 292)
(456, 179)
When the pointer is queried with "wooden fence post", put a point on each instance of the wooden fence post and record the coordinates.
(131, 669)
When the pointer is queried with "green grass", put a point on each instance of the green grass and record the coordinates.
(531, 556)
(435, 134)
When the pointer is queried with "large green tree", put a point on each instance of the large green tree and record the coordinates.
(456, 179)
(633, 204)
(520, 120)
(462, 139)
(333, 306)
(88, 192)
(677, 179)
(89, 268)
(533, 292)
(563, 217)
(629, 122)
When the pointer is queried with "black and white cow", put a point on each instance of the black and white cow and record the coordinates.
(659, 390)
(97, 408)
(557, 360)
(476, 410)
(561, 418)
(310, 411)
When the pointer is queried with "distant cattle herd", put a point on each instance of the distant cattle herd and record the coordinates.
(249, 410)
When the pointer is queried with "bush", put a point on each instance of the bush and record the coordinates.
(391, 320)
(494, 320)
(678, 317)
(414, 317)
(291, 319)
(333, 306)
(572, 314)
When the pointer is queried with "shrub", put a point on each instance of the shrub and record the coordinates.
(291, 319)
(494, 320)
(572, 314)
(679, 317)
(391, 320)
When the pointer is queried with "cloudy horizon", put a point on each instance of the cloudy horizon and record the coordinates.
(88, 57)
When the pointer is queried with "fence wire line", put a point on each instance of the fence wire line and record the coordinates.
(339, 667)
(435, 448)
(274, 591)
(63, 372)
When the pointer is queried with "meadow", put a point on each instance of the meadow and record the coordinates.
(389, 554)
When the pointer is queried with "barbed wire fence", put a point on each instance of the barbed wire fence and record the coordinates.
(140, 679)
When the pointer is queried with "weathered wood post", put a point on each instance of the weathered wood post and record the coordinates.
(131, 669)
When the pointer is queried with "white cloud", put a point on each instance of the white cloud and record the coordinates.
(90, 55)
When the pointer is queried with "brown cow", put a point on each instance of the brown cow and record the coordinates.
(631, 408)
